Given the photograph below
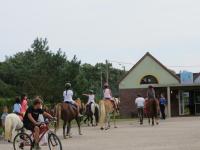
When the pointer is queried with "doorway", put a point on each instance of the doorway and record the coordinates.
(184, 103)
(197, 103)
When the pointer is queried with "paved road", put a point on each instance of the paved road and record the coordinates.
(173, 134)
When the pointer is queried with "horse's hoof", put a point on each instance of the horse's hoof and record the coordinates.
(65, 137)
(116, 127)
(101, 128)
(157, 123)
(80, 134)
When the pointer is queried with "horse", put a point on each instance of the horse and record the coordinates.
(92, 114)
(67, 112)
(12, 123)
(107, 107)
(151, 110)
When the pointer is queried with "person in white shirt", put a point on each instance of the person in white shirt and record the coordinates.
(91, 97)
(68, 97)
(140, 101)
(107, 93)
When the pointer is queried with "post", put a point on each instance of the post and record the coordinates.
(107, 72)
(101, 83)
(169, 101)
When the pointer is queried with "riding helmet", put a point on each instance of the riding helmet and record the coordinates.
(68, 85)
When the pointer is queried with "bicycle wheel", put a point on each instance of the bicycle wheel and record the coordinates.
(22, 141)
(54, 142)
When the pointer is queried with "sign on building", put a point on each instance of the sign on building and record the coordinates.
(186, 77)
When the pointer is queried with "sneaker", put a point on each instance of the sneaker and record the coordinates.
(37, 147)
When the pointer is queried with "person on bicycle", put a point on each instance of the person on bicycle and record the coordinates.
(31, 120)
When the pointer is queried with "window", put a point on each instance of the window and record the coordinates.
(149, 79)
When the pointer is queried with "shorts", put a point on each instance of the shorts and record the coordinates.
(29, 126)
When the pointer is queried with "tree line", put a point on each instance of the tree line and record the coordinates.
(39, 71)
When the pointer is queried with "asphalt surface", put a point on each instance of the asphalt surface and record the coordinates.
(172, 134)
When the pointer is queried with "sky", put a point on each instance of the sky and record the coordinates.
(96, 30)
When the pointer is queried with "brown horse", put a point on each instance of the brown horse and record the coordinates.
(151, 110)
(106, 108)
(67, 112)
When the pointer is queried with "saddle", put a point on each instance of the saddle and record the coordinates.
(113, 104)
(70, 105)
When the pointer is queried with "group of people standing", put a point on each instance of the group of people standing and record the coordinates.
(141, 103)
(19, 108)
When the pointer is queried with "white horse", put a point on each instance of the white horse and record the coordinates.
(95, 114)
(92, 114)
(12, 123)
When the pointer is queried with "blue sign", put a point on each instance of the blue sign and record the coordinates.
(186, 77)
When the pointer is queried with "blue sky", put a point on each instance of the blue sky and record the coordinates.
(95, 30)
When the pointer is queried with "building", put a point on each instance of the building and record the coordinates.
(181, 90)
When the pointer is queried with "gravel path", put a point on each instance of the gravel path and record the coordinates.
(172, 134)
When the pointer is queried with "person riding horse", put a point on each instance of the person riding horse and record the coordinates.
(91, 98)
(92, 109)
(68, 97)
(108, 95)
(153, 104)
(17, 108)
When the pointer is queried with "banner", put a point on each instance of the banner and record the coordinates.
(186, 77)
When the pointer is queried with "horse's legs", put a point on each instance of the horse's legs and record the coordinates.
(69, 129)
(152, 120)
(79, 125)
(107, 121)
(64, 126)
(114, 118)
(149, 119)
(93, 119)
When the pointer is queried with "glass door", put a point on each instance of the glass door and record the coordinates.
(197, 103)
(184, 103)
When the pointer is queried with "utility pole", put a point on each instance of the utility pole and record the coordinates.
(107, 72)
(101, 77)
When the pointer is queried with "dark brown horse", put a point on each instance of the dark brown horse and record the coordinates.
(67, 112)
(151, 110)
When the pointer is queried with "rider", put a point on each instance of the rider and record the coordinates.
(108, 95)
(24, 104)
(91, 98)
(31, 120)
(17, 108)
(151, 93)
(68, 97)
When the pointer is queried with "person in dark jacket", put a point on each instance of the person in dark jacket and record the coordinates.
(163, 103)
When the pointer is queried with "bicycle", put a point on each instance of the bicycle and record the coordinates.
(23, 141)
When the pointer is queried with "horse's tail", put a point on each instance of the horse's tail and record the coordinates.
(8, 128)
(102, 112)
(58, 114)
(97, 113)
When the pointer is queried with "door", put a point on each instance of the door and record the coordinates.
(197, 103)
(184, 103)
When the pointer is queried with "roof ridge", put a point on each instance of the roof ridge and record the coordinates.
(150, 55)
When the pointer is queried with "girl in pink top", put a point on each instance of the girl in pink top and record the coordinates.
(24, 104)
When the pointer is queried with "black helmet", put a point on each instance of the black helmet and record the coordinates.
(91, 91)
(68, 85)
